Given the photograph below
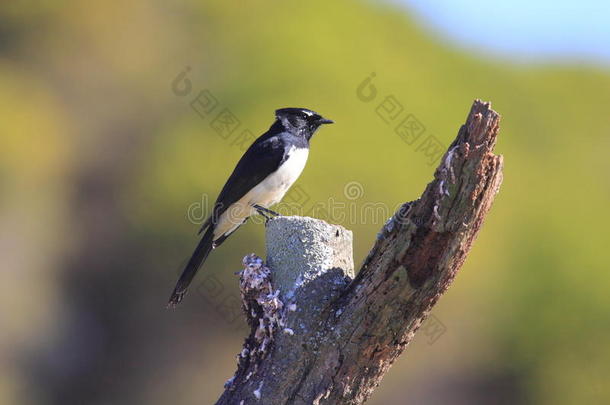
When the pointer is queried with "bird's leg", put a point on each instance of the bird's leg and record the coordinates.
(267, 218)
(265, 212)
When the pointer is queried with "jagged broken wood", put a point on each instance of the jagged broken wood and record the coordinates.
(319, 337)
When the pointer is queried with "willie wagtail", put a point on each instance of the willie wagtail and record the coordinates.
(261, 179)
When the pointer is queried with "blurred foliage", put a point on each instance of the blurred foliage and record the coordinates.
(100, 162)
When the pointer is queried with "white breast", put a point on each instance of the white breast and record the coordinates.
(268, 192)
(271, 190)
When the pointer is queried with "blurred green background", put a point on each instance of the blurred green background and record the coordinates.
(101, 162)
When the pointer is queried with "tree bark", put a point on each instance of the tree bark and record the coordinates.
(331, 339)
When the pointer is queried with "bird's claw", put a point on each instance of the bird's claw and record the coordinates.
(265, 212)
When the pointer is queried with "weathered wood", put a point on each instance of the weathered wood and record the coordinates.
(300, 250)
(341, 348)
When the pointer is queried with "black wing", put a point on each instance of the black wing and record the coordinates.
(261, 159)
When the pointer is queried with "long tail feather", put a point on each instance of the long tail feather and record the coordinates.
(199, 255)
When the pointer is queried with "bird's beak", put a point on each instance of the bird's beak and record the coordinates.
(326, 121)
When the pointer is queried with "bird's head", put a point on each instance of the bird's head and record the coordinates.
(300, 121)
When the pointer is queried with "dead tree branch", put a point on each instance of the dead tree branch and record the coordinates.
(329, 339)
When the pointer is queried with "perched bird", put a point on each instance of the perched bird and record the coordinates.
(261, 179)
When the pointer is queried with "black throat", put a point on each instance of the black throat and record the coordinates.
(298, 137)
